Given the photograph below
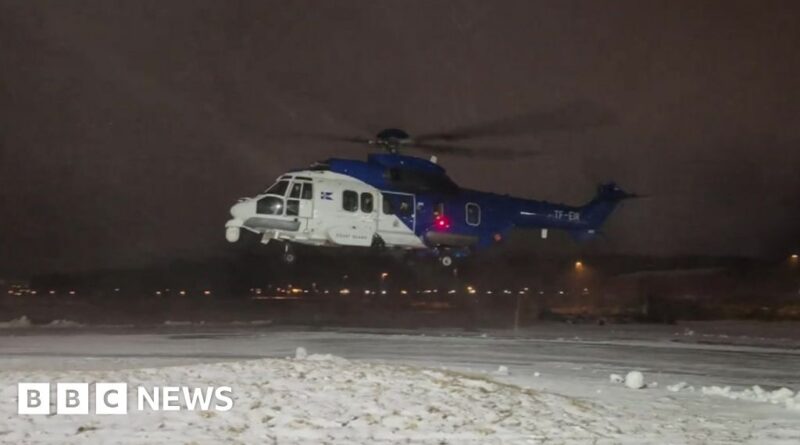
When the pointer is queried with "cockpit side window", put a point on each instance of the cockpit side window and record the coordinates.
(308, 190)
(296, 188)
(279, 188)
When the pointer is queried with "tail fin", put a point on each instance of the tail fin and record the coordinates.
(600, 207)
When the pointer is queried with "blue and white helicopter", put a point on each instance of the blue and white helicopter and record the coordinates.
(394, 201)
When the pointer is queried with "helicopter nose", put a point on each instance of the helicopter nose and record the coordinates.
(242, 209)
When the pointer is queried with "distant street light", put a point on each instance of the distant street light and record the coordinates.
(578, 265)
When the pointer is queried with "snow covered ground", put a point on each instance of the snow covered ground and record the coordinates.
(549, 384)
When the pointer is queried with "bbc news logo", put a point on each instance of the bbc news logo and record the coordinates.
(112, 398)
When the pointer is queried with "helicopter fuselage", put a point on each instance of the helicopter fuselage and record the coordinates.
(401, 202)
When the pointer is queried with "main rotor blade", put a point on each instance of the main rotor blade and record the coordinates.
(574, 116)
(473, 152)
(326, 137)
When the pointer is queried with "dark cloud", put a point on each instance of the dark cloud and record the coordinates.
(129, 127)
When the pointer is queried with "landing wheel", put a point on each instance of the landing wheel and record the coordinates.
(446, 260)
(289, 256)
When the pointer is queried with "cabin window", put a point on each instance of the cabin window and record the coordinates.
(388, 208)
(473, 214)
(367, 202)
(350, 200)
(292, 207)
(401, 205)
(296, 188)
(269, 205)
(308, 190)
(406, 206)
(279, 188)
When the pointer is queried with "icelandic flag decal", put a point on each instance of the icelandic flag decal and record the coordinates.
(328, 196)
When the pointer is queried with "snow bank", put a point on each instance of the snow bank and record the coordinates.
(782, 396)
(321, 399)
(177, 323)
(21, 322)
(222, 323)
(63, 324)
(680, 386)
(250, 323)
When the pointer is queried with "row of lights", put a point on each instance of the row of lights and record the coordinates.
(20, 292)
(579, 266)
(181, 292)
(24, 291)
(471, 290)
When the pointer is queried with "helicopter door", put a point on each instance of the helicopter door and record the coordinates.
(299, 202)
(397, 219)
(356, 222)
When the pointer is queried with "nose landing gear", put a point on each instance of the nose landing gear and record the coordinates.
(289, 256)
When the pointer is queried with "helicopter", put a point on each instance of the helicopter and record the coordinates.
(398, 202)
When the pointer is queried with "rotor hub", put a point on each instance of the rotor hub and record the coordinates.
(392, 139)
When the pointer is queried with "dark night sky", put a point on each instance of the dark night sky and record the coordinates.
(129, 127)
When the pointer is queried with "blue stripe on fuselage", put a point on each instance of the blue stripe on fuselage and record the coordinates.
(499, 213)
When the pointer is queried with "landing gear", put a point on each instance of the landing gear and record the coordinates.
(447, 258)
(378, 244)
(289, 256)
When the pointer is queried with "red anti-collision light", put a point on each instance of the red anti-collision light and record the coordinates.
(441, 222)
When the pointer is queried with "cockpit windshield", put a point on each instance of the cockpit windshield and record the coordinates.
(279, 188)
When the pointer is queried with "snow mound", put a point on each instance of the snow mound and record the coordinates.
(323, 401)
(21, 322)
(63, 324)
(251, 323)
(680, 386)
(177, 323)
(327, 358)
(302, 354)
(501, 370)
(782, 396)
(634, 380)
